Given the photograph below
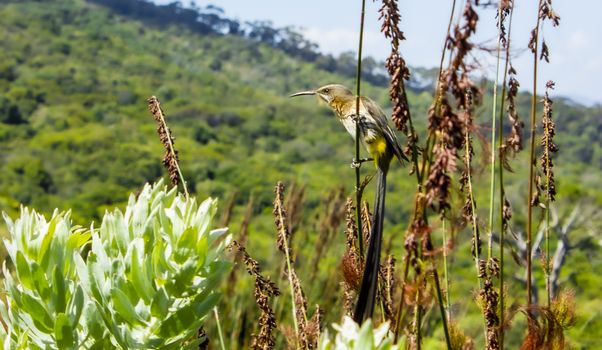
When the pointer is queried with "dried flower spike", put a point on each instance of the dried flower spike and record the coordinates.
(170, 160)
(395, 64)
(264, 290)
(548, 145)
(514, 142)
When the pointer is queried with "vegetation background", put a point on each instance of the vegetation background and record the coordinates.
(75, 133)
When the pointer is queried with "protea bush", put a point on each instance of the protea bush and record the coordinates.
(350, 336)
(145, 279)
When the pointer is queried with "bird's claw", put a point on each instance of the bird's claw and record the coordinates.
(357, 163)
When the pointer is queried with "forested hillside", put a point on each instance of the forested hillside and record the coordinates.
(75, 131)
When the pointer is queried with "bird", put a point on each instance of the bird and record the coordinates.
(382, 144)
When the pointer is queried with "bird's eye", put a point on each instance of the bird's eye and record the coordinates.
(326, 91)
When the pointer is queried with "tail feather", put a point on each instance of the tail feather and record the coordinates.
(367, 298)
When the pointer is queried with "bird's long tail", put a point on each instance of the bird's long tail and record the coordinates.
(368, 289)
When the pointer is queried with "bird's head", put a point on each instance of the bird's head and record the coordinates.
(329, 93)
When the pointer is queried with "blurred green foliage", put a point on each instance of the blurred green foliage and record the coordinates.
(75, 134)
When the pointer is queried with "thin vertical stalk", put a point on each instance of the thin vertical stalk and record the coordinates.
(282, 232)
(406, 267)
(441, 307)
(493, 134)
(502, 232)
(429, 248)
(446, 271)
(532, 160)
(547, 238)
(475, 232)
(358, 82)
(417, 320)
(547, 228)
(292, 286)
(501, 175)
(219, 329)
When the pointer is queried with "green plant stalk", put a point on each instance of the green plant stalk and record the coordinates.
(531, 161)
(437, 287)
(475, 231)
(493, 134)
(219, 329)
(472, 206)
(289, 275)
(441, 306)
(446, 271)
(398, 316)
(358, 83)
(502, 233)
(294, 307)
(501, 176)
(502, 196)
(417, 320)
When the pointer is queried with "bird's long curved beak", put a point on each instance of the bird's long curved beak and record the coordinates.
(303, 93)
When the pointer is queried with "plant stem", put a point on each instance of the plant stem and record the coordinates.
(417, 320)
(358, 81)
(406, 269)
(219, 329)
(547, 238)
(493, 149)
(532, 161)
(441, 307)
(445, 271)
(281, 217)
(547, 227)
(501, 175)
(475, 229)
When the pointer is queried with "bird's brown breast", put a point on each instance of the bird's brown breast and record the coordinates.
(343, 107)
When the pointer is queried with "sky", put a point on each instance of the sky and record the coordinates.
(575, 58)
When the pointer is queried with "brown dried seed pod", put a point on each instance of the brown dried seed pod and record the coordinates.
(514, 141)
(170, 159)
(548, 145)
(264, 290)
(280, 219)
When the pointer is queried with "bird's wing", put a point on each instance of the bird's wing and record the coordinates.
(381, 120)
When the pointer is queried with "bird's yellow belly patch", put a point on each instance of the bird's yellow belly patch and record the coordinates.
(377, 147)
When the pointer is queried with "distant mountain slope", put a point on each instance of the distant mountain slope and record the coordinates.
(74, 78)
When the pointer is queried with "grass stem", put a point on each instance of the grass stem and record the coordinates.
(219, 329)
(532, 161)
(445, 270)
(501, 176)
(358, 82)
(441, 307)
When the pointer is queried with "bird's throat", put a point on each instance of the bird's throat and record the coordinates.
(343, 106)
